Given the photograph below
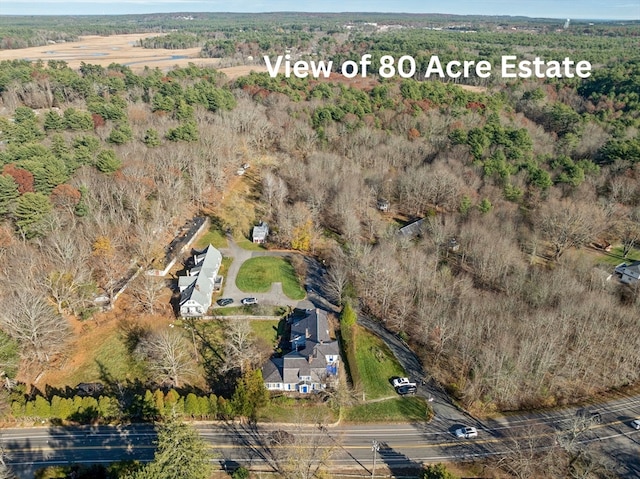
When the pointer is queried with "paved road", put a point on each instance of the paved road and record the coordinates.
(402, 444)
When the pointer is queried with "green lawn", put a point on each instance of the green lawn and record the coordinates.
(398, 409)
(213, 237)
(268, 330)
(376, 365)
(257, 274)
(614, 257)
(247, 244)
(292, 410)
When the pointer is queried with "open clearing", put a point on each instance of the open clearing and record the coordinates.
(101, 50)
(256, 275)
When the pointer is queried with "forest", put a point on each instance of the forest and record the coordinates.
(504, 291)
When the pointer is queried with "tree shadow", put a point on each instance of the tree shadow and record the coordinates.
(398, 464)
(211, 358)
(251, 441)
(33, 449)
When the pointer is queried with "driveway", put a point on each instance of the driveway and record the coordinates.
(274, 297)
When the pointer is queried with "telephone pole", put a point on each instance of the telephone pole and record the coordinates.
(375, 447)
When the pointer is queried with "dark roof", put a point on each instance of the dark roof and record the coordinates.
(412, 229)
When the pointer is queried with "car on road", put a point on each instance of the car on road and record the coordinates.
(636, 424)
(407, 389)
(397, 382)
(224, 301)
(248, 301)
(466, 432)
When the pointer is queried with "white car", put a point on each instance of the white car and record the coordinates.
(466, 432)
(397, 382)
(636, 424)
(248, 301)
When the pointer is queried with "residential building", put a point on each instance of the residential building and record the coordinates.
(629, 273)
(260, 232)
(200, 282)
(313, 362)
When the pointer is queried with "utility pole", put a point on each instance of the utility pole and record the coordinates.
(375, 447)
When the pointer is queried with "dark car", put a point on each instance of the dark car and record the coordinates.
(407, 389)
(224, 301)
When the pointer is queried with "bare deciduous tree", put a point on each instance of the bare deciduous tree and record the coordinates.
(168, 356)
(27, 317)
(301, 452)
(239, 345)
(567, 224)
(146, 290)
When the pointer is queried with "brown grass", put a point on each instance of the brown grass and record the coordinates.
(99, 50)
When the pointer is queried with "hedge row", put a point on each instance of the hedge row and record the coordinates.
(149, 406)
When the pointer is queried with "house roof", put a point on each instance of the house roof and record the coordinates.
(311, 334)
(199, 288)
(314, 326)
(412, 229)
(260, 231)
(271, 371)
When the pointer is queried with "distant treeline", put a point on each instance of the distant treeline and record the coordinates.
(26, 31)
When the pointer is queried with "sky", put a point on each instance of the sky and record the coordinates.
(576, 9)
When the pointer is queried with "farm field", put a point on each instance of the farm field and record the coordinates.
(122, 49)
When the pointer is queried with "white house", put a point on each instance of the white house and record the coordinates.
(198, 285)
(312, 364)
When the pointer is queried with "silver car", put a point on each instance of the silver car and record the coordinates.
(466, 432)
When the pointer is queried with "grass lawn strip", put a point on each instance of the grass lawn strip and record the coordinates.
(268, 330)
(213, 237)
(257, 274)
(376, 365)
(249, 245)
(399, 409)
(614, 257)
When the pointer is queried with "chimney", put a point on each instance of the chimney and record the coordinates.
(306, 333)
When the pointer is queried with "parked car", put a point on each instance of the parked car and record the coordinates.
(635, 424)
(466, 432)
(406, 389)
(224, 301)
(397, 382)
(248, 301)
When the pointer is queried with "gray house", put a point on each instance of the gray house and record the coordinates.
(629, 273)
(312, 364)
(200, 282)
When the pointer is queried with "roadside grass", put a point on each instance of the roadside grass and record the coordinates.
(257, 274)
(297, 410)
(249, 245)
(226, 264)
(615, 257)
(399, 409)
(213, 237)
(376, 365)
(269, 330)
